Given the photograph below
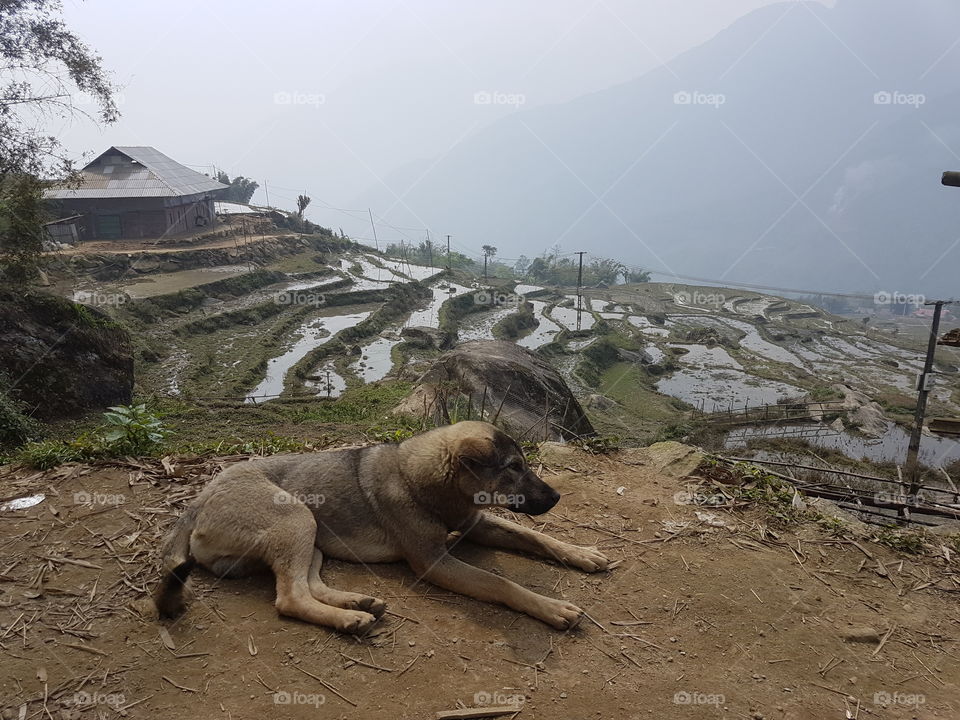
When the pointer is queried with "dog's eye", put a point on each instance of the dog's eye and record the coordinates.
(516, 466)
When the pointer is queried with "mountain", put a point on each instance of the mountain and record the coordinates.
(802, 146)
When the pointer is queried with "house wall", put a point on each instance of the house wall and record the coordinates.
(138, 218)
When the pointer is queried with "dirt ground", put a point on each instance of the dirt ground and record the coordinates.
(719, 616)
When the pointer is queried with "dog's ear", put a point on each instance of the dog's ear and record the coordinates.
(478, 450)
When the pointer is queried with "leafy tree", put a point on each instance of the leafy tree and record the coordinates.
(636, 275)
(604, 270)
(521, 265)
(241, 189)
(21, 227)
(302, 202)
(538, 270)
(48, 73)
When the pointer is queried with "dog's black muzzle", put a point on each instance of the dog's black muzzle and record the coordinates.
(538, 497)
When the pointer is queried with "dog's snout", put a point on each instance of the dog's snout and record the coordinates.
(538, 497)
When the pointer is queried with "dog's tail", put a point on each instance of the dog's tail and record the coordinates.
(177, 564)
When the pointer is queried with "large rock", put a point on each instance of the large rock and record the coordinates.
(670, 458)
(483, 375)
(862, 412)
(62, 358)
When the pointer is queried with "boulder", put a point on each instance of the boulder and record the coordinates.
(670, 458)
(866, 415)
(482, 377)
(145, 264)
(62, 358)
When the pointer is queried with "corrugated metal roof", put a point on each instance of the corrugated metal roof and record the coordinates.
(135, 171)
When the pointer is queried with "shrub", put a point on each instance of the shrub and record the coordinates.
(131, 430)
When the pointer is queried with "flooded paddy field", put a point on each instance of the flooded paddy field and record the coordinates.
(544, 333)
(890, 447)
(763, 350)
(310, 335)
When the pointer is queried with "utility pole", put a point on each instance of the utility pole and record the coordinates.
(375, 241)
(266, 192)
(448, 253)
(485, 267)
(580, 289)
(429, 247)
(924, 385)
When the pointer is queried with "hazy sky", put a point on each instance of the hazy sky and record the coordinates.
(328, 98)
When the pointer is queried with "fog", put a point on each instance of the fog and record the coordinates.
(330, 98)
(792, 144)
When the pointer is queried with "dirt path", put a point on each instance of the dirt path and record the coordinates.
(697, 620)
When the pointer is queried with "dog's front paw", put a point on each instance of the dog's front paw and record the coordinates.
(587, 559)
(356, 622)
(562, 615)
(372, 605)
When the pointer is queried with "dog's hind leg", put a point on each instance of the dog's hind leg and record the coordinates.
(291, 554)
(340, 598)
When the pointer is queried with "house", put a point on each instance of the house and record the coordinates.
(133, 192)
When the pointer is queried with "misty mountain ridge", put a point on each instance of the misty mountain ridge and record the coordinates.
(802, 146)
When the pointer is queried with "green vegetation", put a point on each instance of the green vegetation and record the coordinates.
(430, 254)
(905, 541)
(36, 47)
(240, 189)
(598, 357)
(132, 430)
(759, 488)
(824, 393)
(552, 268)
(895, 402)
(125, 430)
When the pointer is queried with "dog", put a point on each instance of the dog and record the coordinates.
(381, 503)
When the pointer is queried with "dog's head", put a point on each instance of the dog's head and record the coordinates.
(489, 467)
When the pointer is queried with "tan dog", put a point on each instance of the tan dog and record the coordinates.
(381, 503)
